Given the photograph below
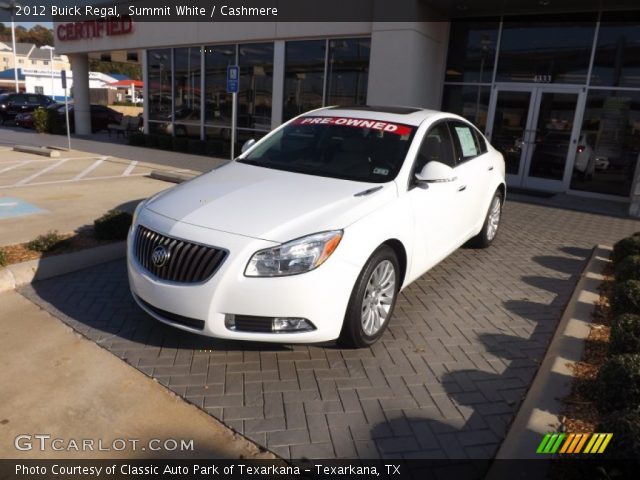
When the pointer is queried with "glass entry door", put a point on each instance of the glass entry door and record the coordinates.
(535, 129)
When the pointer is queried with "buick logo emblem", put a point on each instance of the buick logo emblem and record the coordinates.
(159, 256)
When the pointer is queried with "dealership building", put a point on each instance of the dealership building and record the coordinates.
(557, 93)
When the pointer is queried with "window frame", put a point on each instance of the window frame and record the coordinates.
(459, 158)
(412, 181)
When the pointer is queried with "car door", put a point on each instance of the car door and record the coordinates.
(472, 170)
(17, 104)
(435, 206)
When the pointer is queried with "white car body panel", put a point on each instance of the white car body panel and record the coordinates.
(244, 208)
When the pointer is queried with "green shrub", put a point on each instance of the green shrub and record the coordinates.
(619, 383)
(626, 297)
(628, 269)
(137, 139)
(45, 243)
(3, 258)
(165, 142)
(180, 144)
(625, 247)
(151, 141)
(625, 426)
(113, 225)
(625, 334)
(40, 120)
(197, 147)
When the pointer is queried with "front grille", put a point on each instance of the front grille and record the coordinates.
(174, 317)
(185, 262)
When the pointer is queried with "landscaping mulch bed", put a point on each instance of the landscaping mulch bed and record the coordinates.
(579, 411)
(71, 242)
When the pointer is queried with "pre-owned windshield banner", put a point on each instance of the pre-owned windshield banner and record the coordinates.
(356, 123)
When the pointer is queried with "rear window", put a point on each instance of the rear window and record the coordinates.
(349, 148)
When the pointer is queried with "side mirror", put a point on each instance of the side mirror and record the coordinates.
(435, 172)
(247, 145)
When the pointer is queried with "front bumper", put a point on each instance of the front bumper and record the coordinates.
(320, 296)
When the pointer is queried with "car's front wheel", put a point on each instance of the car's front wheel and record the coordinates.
(372, 300)
(491, 223)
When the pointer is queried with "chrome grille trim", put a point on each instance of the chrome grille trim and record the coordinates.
(188, 262)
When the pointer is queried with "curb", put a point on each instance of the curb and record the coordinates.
(540, 411)
(19, 274)
(173, 177)
(45, 152)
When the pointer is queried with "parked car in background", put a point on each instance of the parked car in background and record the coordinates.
(11, 104)
(101, 116)
(24, 120)
(314, 230)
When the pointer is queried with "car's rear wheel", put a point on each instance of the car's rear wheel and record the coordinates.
(372, 300)
(491, 223)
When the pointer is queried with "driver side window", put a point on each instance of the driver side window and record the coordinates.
(436, 147)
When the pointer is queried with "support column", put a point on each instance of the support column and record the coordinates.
(81, 112)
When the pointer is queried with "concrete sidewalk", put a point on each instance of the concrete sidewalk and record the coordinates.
(55, 382)
(101, 144)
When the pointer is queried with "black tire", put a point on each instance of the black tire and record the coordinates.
(353, 334)
(485, 237)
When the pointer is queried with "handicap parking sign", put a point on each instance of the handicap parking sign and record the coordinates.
(233, 78)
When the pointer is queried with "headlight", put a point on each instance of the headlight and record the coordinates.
(297, 256)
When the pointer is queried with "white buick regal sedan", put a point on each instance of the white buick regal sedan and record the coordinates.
(311, 233)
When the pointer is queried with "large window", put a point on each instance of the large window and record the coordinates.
(544, 49)
(469, 101)
(256, 86)
(348, 71)
(472, 51)
(609, 144)
(159, 78)
(617, 58)
(217, 102)
(186, 91)
(303, 76)
(315, 77)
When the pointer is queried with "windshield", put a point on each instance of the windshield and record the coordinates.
(339, 147)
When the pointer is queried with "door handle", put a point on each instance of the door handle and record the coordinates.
(462, 188)
(490, 168)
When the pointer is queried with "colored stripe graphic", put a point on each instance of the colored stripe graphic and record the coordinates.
(574, 442)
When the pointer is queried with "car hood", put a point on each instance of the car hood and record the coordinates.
(269, 204)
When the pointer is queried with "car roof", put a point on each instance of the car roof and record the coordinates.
(397, 114)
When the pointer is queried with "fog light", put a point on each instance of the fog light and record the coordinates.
(291, 325)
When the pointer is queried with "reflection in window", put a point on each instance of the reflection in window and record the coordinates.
(472, 50)
(186, 92)
(303, 77)
(609, 144)
(617, 58)
(546, 50)
(348, 71)
(217, 102)
(256, 85)
(468, 101)
(159, 79)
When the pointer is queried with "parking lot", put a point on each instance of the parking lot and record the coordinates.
(445, 381)
(63, 193)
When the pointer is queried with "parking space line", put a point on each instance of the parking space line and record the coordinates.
(70, 180)
(130, 168)
(90, 168)
(41, 172)
(20, 164)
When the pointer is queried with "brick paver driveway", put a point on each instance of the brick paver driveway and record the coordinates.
(444, 382)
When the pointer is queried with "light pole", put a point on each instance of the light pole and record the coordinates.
(51, 49)
(11, 6)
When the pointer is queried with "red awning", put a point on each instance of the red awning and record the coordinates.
(127, 83)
